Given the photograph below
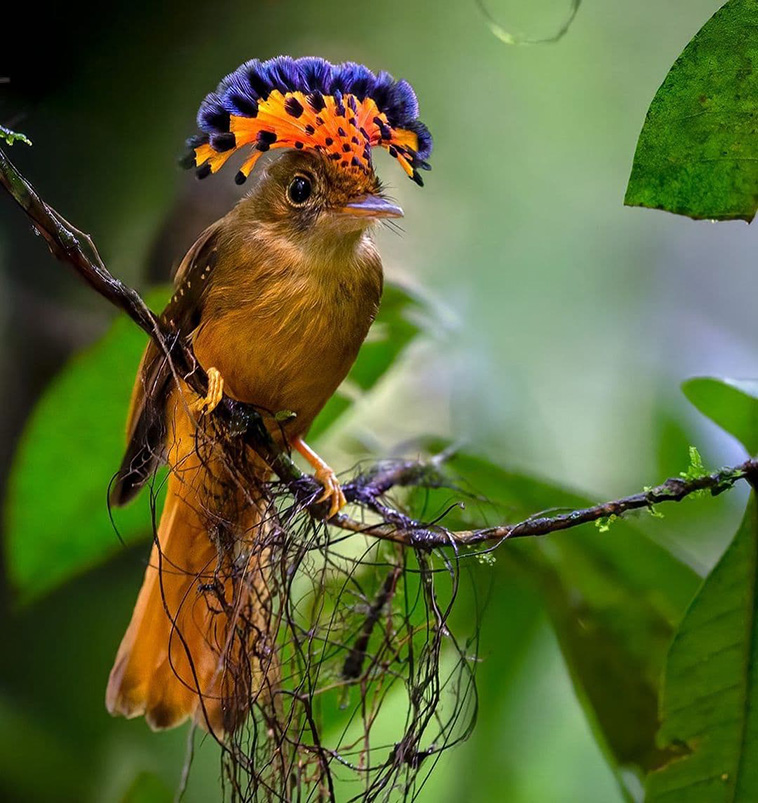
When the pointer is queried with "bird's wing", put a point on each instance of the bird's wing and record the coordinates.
(146, 424)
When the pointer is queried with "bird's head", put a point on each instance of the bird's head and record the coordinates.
(328, 117)
(303, 193)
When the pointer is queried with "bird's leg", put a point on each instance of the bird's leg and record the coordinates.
(213, 396)
(325, 475)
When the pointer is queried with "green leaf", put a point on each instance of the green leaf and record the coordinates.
(730, 403)
(57, 522)
(615, 599)
(12, 137)
(393, 330)
(697, 154)
(710, 696)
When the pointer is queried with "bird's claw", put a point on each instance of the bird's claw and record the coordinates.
(332, 490)
(205, 406)
(325, 476)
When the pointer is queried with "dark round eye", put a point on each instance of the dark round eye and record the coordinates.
(299, 191)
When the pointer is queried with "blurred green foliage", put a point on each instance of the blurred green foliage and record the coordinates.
(615, 600)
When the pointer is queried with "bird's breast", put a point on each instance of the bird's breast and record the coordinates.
(285, 340)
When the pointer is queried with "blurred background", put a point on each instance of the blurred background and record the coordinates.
(561, 323)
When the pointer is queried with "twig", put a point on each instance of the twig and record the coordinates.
(418, 534)
(243, 420)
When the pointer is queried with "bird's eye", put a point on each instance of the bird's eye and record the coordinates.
(299, 191)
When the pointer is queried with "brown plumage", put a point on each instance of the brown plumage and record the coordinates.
(276, 299)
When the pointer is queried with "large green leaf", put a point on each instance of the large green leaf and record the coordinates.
(56, 513)
(615, 599)
(697, 154)
(57, 521)
(730, 403)
(710, 696)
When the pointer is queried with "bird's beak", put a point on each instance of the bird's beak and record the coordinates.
(371, 206)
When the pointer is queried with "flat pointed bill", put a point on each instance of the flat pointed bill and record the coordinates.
(371, 206)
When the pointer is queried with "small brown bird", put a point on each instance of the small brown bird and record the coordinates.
(275, 298)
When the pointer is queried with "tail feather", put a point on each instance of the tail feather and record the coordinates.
(167, 660)
(174, 660)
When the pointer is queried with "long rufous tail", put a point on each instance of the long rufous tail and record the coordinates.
(174, 660)
(167, 661)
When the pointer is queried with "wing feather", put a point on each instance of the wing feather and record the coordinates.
(146, 428)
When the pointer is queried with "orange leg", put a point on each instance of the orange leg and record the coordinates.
(325, 475)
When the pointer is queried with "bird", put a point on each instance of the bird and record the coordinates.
(275, 300)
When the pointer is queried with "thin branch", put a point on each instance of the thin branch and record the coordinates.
(65, 244)
(417, 534)
(77, 249)
(367, 490)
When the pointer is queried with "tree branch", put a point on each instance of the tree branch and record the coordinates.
(367, 490)
(417, 473)
(77, 249)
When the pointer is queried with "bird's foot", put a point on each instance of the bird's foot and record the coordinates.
(325, 476)
(205, 406)
(332, 489)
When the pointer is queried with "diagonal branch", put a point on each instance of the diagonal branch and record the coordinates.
(367, 490)
(77, 249)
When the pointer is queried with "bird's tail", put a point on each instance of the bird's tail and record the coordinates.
(177, 659)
